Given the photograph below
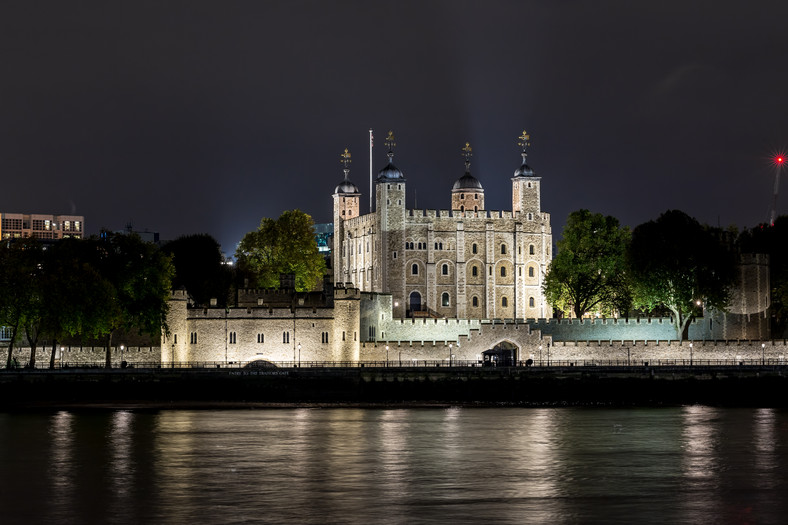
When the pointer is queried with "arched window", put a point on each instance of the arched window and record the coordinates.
(414, 269)
(503, 271)
(504, 302)
(475, 301)
(475, 271)
(462, 209)
(530, 271)
(531, 302)
(503, 249)
(445, 299)
(474, 248)
(445, 269)
(531, 249)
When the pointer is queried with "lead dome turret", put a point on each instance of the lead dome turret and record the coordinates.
(467, 192)
(524, 170)
(390, 173)
(346, 187)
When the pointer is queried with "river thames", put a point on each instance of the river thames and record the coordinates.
(693, 464)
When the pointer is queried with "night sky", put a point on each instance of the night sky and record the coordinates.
(197, 116)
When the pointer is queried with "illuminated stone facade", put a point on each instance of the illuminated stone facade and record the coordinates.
(467, 262)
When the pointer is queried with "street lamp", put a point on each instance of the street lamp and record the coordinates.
(690, 354)
(763, 350)
(387, 355)
(299, 355)
(450, 347)
(121, 355)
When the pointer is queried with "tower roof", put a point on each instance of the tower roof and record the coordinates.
(390, 173)
(467, 181)
(346, 186)
(524, 170)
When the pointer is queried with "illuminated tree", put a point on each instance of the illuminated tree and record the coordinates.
(680, 265)
(589, 271)
(283, 246)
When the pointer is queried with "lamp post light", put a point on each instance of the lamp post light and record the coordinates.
(763, 350)
(299, 355)
(121, 355)
(450, 348)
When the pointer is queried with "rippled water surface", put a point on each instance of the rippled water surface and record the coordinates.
(458, 465)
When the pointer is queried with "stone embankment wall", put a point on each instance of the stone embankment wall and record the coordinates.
(85, 355)
(639, 352)
(531, 345)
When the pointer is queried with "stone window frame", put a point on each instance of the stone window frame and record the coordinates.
(503, 248)
(475, 302)
(414, 269)
(445, 269)
(531, 249)
(531, 302)
(504, 302)
(531, 271)
(233, 338)
(445, 299)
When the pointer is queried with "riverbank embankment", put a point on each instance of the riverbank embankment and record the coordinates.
(519, 386)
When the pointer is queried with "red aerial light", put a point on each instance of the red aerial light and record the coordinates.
(780, 160)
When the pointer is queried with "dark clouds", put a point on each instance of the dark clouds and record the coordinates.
(205, 116)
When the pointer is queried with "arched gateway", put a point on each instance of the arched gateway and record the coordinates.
(502, 354)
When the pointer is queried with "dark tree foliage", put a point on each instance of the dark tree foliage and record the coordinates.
(773, 241)
(589, 271)
(140, 275)
(76, 293)
(20, 290)
(286, 245)
(678, 264)
(200, 268)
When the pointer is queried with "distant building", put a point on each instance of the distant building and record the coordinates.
(323, 234)
(45, 227)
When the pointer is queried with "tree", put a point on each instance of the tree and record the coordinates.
(589, 270)
(140, 277)
(20, 293)
(77, 296)
(680, 265)
(283, 246)
(200, 268)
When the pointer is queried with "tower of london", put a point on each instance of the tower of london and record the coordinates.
(464, 262)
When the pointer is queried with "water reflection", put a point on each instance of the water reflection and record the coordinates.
(61, 463)
(676, 465)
